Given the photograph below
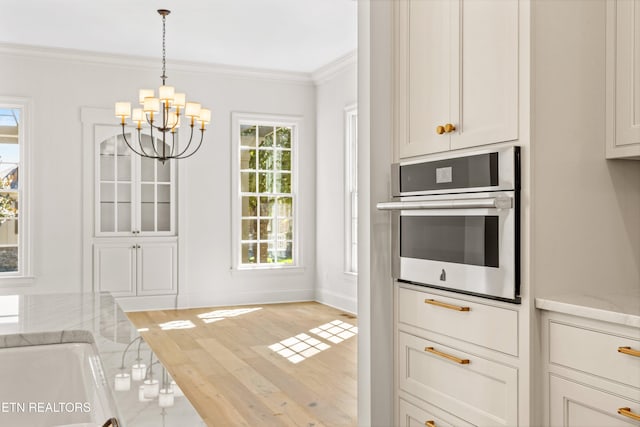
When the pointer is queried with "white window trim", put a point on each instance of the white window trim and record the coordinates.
(350, 150)
(294, 122)
(23, 275)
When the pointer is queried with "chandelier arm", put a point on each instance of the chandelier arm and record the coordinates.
(180, 156)
(144, 152)
(153, 146)
(129, 145)
(173, 145)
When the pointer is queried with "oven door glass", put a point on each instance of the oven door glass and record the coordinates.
(471, 240)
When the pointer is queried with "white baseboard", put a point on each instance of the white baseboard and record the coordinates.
(212, 299)
(337, 300)
(144, 303)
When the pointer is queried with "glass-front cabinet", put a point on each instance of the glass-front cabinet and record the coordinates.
(135, 195)
(135, 241)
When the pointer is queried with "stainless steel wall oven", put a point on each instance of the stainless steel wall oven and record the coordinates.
(456, 223)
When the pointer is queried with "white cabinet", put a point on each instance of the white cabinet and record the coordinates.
(591, 372)
(456, 74)
(131, 240)
(623, 79)
(454, 360)
(127, 268)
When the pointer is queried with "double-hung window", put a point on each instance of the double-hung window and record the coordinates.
(265, 225)
(13, 196)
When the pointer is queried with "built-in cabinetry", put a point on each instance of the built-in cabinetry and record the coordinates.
(456, 74)
(456, 360)
(131, 220)
(623, 90)
(591, 372)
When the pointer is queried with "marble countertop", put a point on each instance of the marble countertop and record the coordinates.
(100, 315)
(620, 308)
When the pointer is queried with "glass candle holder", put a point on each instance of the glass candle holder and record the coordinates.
(165, 398)
(151, 388)
(138, 371)
(141, 397)
(122, 382)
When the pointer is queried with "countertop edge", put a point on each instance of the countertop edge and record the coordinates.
(578, 309)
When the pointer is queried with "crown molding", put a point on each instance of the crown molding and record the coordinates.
(330, 70)
(117, 60)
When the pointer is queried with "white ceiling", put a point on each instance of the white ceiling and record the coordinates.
(289, 35)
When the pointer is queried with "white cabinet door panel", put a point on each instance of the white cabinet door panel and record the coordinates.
(157, 265)
(484, 102)
(114, 269)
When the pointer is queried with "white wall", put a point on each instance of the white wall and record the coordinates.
(59, 84)
(333, 286)
(586, 210)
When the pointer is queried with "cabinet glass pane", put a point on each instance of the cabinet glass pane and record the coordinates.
(164, 193)
(107, 167)
(164, 171)
(124, 216)
(123, 160)
(148, 193)
(147, 219)
(164, 217)
(124, 193)
(107, 192)
(147, 169)
(107, 216)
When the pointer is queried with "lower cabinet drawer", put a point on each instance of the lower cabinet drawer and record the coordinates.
(575, 405)
(413, 416)
(597, 353)
(479, 391)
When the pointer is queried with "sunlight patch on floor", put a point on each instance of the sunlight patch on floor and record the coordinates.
(298, 348)
(336, 331)
(217, 315)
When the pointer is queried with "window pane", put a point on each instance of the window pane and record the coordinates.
(283, 183)
(249, 229)
(265, 159)
(249, 206)
(265, 138)
(265, 182)
(283, 137)
(283, 160)
(247, 159)
(248, 182)
(265, 257)
(285, 206)
(9, 232)
(249, 253)
(267, 206)
(267, 229)
(247, 136)
(9, 259)
(285, 229)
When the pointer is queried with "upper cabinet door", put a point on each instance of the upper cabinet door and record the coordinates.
(456, 74)
(623, 79)
(135, 196)
(484, 90)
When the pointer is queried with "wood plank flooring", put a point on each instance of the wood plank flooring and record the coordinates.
(260, 365)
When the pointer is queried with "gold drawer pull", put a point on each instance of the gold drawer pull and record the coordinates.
(627, 413)
(629, 351)
(447, 356)
(430, 423)
(445, 305)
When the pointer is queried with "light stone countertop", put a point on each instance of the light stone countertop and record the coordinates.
(67, 318)
(620, 308)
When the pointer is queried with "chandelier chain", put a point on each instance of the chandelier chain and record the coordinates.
(164, 50)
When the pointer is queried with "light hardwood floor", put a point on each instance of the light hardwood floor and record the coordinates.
(250, 365)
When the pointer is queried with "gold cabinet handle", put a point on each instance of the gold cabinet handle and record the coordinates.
(430, 423)
(440, 130)
(447, 356)
(448, 128)
(629, 351)
(627, 413)
(445, 305)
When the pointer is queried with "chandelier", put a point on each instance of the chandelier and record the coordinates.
(163, 114)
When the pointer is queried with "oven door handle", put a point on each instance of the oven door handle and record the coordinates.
(501, 202)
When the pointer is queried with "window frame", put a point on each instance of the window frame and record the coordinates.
(294, 122)
(23, 274)
(350, 186)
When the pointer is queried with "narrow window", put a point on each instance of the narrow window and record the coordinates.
(265, 211)
(351, 189)
(13, 197)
